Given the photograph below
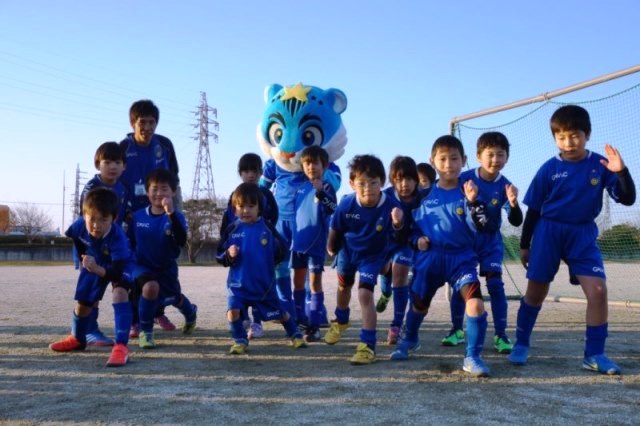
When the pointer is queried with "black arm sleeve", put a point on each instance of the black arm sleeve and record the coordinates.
(114, 272)
(334, 241)
(222, 257)
(530, 221)
(328, 204)
(179, 233)
(280, 246)
(515, 215)
(271, 214)
(626, 188)
(479, 215)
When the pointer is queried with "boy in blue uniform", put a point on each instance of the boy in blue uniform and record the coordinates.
(157, 234)
(104, 251)
(444, 227)
(145, 151)
(403, 176)
(315, 202)
(563, 201)
(110, 162)
(250, 171)
(285, 190)
(360, 233)
(251, 247)
(497, 193)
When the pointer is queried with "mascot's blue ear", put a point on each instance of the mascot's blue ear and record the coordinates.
(270, 91)
(339, 100)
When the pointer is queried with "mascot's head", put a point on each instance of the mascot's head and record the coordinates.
(299, 116)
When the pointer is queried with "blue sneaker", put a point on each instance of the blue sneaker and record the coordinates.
(601, 364)
(519, 355)
(97, 338)
(475, 366)
(402, 350)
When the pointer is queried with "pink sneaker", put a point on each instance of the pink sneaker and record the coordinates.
(134, 331)
(392, 335)
(164, 323)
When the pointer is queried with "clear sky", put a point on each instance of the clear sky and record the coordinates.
(69, 70)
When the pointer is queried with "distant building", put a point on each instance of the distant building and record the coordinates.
(4, 219)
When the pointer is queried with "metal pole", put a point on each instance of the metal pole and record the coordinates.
(545, 96)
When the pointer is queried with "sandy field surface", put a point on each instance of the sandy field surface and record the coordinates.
(192, 380)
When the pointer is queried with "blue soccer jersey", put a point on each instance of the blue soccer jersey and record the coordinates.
(366, 231)
(313, 212)
(110, 252)
(568, 197)
(286, 186)
(402, 252)
(118, 188)
(488, 244)
(154, 239)
(493, 194)
(252, 273)
(143, 159)
(571, 192)
(443, 217)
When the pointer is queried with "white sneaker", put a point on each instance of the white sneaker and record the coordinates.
(255, 331)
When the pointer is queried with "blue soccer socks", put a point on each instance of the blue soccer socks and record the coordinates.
(499, 305)
(147, 310)
(527, 316)
(457, 306)
(315, 309)
(400, 300)
(595, 338)
(122, 319)
(476, 331)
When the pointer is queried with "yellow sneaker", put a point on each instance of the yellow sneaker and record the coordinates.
(238, 349)
(364, 355)
(145, 340)
(298, 342)
(334, 333)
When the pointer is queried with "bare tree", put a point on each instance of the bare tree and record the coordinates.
(203, 219)
(30, 219)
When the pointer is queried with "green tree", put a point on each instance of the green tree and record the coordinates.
(620, 242)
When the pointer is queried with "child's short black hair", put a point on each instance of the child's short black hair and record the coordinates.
(570, 117)
(313, 153)
(449, 142)
(427, 170)
(109, 151)
(403, 166)
(102, 200)
(247, 193)
(250, 162)
(366, 164)
(492, 140)
(143, 108)
(161, 176)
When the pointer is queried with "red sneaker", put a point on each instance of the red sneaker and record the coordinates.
(70, 343)
(119, 355)
(164, 323)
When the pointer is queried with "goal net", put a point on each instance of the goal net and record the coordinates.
(614, 107)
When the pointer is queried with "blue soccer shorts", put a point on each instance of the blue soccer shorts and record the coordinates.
(573, 243)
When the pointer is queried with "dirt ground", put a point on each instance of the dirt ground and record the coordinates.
(192, 380)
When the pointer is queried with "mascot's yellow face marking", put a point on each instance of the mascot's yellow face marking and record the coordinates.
(298, 92)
